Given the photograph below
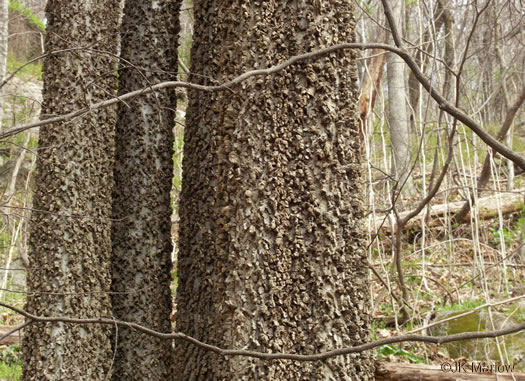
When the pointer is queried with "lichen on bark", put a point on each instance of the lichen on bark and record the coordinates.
(272, 246)
(69, 245)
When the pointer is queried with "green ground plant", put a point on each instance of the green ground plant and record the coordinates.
(11, 363)
(16, 6)
(385, 351)
(29, 71)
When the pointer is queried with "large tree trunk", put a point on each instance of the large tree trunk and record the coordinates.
(70, 228)
(398, 121)
(272, 247)
(141, 265)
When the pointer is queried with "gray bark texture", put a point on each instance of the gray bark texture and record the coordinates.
(141, 263)
(272, 247)
(70, 227)
(398, 121)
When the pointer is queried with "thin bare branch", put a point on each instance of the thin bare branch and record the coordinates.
(271, 356)
(15, 330)
(470, 312)
(403, 53)
(444, 104)
(485, 171)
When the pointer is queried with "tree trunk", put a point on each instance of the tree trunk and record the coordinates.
(371, 83)
(141, 263)
(272, 245)
(4, 34)
(486, 170)
(70, 228)
(397, 107)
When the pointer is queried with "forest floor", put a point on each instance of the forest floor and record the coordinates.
(476, 267)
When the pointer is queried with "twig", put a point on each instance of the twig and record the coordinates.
(445, 105)
(14, 330)
(403, 53)
(184, 68)
(272, 356)
(485, 171)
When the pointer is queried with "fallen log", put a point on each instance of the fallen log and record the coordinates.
(452, 371)
(487, 207)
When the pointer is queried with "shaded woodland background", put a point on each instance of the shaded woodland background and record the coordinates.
(437, 263)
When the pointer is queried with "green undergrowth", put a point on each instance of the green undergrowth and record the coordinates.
(388, 350)
(178, 146)
(29, 71)
(17, 7)
(11, 363)
(463, 306)
(467, 145)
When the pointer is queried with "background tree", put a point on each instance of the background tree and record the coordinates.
(398, 122)
(450, 42)
(4, 22)
(69, 245)
(272, 247)
(141, 235)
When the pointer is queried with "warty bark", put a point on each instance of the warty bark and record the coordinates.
(141, 235)
(272, 246)
(70, 226)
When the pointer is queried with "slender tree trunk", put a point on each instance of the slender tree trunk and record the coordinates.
(442, 17)
(486, 170)
(371, 83)
(141, 264)
(272, 247)
(4, 34)
(398, 121)
(69, 245)
(12, 229)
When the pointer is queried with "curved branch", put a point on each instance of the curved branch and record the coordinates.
(271, 356)
(168, 84)
(446, 105)
(486, 171)
(403, 53)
